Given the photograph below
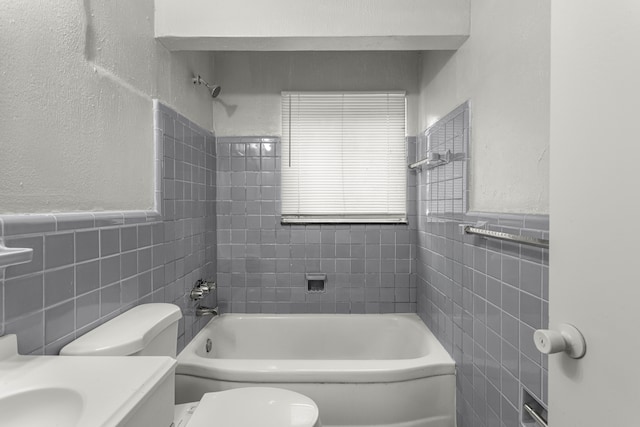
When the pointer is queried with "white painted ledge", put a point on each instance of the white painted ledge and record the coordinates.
(313, 43)
(289, 25)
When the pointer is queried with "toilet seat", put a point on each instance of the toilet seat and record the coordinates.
(255, 406)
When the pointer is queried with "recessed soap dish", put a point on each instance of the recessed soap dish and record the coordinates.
(316, 282)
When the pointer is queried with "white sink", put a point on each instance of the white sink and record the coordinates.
(65, 391)
(41, 407)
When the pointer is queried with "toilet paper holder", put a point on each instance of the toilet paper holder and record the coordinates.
(567, 338)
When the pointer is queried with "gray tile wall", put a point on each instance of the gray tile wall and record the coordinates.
(89, 267)
(444, 189)
(262, 264)
(482, 298)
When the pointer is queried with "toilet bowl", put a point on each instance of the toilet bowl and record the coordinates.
(152, 330)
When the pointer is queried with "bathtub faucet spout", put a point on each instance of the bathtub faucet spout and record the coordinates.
(206, 311)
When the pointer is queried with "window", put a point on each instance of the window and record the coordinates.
(343, 157)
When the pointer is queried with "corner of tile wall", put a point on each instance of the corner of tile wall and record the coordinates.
(90, 266)
(482, 298)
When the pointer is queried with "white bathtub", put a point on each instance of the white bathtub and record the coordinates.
(361, 370)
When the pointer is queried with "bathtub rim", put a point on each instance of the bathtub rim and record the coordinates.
(437, 362)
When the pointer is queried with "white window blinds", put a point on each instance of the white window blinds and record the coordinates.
(343, 157)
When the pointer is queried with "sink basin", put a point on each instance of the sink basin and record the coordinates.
(51, 407)
(63, 391)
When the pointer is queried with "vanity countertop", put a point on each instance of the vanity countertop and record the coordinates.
(77, 390)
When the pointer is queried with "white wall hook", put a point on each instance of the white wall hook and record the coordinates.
(567, 338)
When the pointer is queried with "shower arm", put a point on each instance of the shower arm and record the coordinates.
(197, 80)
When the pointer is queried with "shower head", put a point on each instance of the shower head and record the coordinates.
(214, 89)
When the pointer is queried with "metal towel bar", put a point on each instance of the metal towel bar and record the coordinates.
(537, 418)
(525, 240)
(433, 160)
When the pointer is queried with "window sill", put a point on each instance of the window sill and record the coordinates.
(372, 219)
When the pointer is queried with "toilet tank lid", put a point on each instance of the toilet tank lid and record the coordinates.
(125, 334)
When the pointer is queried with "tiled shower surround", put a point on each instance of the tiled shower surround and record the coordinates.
(444, 190)
(89, 267)
(483, 298)
(262, 264)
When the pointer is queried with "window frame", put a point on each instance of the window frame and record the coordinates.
(360, 218)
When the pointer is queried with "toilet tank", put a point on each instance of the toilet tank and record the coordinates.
(145, 330)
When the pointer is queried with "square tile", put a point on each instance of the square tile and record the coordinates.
(19, 297)
(58, 250)
(59, 321)
(109, 270)
(87, 309)
(59, 285)
(109, 242)
(129, 238)
(531, 310)
(87, 277)
(87, 245)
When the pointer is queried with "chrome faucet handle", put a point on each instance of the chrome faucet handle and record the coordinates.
(208, 286)
(201, 289)
(197, 294)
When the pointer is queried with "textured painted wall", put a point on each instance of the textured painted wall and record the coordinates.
(77, 81)
(503, 69)
(250, 101)
(88, 268)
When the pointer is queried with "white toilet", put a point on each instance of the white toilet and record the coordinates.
(152, 330)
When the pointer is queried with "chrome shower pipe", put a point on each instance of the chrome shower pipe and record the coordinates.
(214, 89)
